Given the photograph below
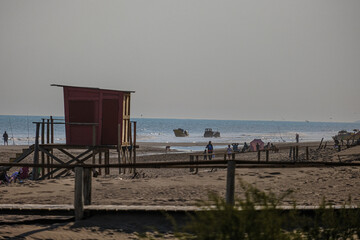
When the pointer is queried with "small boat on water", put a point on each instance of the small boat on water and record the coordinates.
(181, 132)
(210, 133)
(344, 135)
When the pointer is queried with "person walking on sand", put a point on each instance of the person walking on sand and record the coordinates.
(210, 149)
(5, 137)
(229, 151)
(205, 155)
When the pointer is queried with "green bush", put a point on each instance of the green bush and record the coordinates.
(257, 217)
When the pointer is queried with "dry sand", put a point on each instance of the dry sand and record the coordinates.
(173, 187)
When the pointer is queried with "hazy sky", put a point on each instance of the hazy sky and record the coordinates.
(290, 60)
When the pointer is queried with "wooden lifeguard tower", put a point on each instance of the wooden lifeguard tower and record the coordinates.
(96, 121)
(96, 116)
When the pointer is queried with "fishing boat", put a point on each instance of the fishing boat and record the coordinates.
(210, 133)
(181, 132)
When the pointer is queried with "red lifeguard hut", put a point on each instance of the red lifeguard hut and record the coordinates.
(96, 116)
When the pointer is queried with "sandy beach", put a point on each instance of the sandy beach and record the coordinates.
(172, 187)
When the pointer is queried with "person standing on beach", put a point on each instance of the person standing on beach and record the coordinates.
(229, 151)
(5, 137)
(210, 149)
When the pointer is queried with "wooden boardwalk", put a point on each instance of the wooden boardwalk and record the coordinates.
(90, 210)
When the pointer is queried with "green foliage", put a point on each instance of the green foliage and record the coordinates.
(257, 217)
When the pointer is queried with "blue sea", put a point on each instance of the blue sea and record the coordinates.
(21, 130)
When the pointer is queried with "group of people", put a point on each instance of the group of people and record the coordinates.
(209, 150)
(22, 174)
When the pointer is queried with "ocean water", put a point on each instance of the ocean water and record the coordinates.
(21, 130)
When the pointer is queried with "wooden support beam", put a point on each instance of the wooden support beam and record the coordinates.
(79, 194)
(43, 142)
(68, 163)
(47, 142)
(87, 186)
(267, 155)
(258, 155)
(119, 146)
(100, 160)
(35, 173)
(51, 141)
(107, 161)
(134, 146)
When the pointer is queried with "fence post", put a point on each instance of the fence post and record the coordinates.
(294, 154)
(267, 155)
(87, 186)
(35, 173)
(259, 156)
(197, 167)
(79, 194)
(191, 160)
(307, 153)
(230, 182)
(43, 142)
(47, 142)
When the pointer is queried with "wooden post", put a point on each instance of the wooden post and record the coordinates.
(100, 155)
(107, 161)
(197, 168)
(35, 173)
(191, 160)
(321, 143)
(290, 153)
(51, 141)
(131, 147)
(79, 194)
(47, 142)
(119, 146)
(307, 153)
(267, 155)
(93, 142)
(87, 186)
(134, 146)
(123, 150)
(297, 153)
(230, 182)
(259, 156)
(294, 154)
(52, 129)
(43, 142)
